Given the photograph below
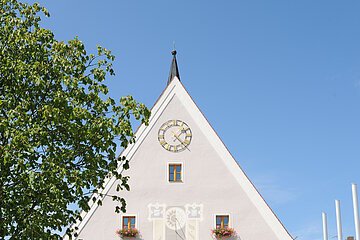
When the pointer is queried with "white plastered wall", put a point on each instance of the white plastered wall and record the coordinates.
(213, 179)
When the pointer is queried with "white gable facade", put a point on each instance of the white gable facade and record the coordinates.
(212, 184)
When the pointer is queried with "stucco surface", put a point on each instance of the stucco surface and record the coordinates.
(207, 181)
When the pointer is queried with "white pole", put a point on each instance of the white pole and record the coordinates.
(356, 211)
(325, 230)
(338, 220)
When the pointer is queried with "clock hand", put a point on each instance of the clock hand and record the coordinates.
(176, 136)
(179, 132)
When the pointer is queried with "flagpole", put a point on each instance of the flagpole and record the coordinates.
(325, 230)
(356, 210)
(338, 220)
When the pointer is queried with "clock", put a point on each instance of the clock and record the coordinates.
(175, 136)
(175, 218)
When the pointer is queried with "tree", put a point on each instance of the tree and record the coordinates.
(58, 127)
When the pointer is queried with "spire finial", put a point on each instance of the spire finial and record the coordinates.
(174, 71)
(173, 52)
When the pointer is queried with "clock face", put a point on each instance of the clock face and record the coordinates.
(175, 218)
(175, 135)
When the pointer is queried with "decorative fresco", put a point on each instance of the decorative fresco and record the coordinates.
(175, 222)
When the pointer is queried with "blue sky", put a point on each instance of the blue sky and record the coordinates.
(278, 80)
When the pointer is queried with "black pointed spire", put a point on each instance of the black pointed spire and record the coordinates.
(174, 71)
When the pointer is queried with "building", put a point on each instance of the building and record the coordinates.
(184, 182)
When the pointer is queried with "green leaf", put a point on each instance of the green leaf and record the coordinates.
(59, 130)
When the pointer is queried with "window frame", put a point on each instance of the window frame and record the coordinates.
(223, 214)
(129, 216)
(168, 172)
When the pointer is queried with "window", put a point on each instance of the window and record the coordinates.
(128, 222)
(175, 173)
(222, 221)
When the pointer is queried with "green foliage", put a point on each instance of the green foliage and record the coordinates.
(58, 128)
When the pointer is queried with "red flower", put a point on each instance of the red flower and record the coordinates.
(132, 232)
(223, 232)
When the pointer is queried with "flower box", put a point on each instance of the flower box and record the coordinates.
(128, 233)
(223, 233)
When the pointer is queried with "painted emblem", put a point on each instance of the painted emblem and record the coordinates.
(175, 218)
(180, 220)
